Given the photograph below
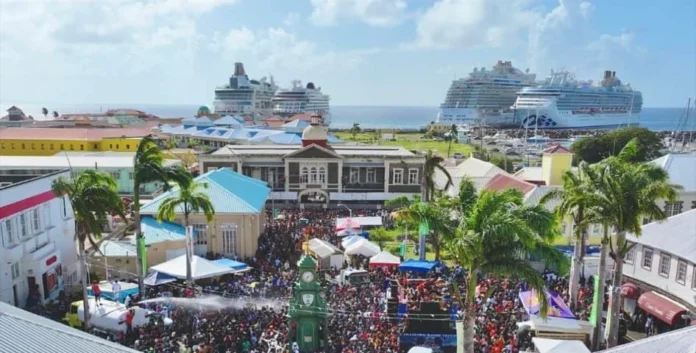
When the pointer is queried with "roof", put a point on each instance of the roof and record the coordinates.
(47, 336)
(156, 232)
(322, 248)
(116, 248)
(229, 120)
(62, 161)
(678, 341)
(505, 181)
(533, 197)
(296, 123)
(343, 150)
(529, 173)
(680, 242)
(681, 169)
(474, 167)
(547, 345)
(21, 133)
(200, 268)
(229, 192)
(557, 149)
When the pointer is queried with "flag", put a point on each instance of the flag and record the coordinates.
(402, 249)
(423, 228)
(143, 251)
(595, 301)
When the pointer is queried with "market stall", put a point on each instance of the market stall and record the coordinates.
(384, 259)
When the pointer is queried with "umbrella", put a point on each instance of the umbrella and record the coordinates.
(253, 284)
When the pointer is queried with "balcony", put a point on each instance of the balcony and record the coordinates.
(363, 187)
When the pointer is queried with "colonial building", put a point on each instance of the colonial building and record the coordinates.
(319, 173)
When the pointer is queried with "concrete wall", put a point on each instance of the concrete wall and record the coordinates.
(49, 147)
(126, 266)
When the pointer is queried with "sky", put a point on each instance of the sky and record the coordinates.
(361, 52)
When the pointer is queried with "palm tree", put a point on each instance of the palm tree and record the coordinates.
(574, 201)
(452, 136)
(148, 168)
(631, 191)
(44, 111)
(188, 200)
(55, 114)
(92, 195)
(496, 229)
(354, 130)
(381, 236)
(432, 163)
(437, 218)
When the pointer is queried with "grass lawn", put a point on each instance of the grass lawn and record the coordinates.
(411, 141)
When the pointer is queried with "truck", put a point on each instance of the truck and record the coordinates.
(109, 316)
(354, 277)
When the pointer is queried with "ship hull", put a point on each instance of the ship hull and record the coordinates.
(555, 119)
(471, 116)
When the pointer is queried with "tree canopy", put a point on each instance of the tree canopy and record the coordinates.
(595, 149)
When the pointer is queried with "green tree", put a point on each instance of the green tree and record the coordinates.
(148, 167)
(92, 196)
(55, 114)
(438, 219)
(187, 199)
(595, 149)
(354, 130)
(495, 230)
(452, 136)
(381, 236)
(397, 203)
(433, 163)
(503, 163)
(630, 193)
(44, 111)
(573, 201)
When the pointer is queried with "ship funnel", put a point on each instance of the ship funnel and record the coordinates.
(613, 74)
(607, 74)
(239, 69)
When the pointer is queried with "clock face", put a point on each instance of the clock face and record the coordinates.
(307, 276)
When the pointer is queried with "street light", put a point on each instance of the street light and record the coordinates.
(350, 212)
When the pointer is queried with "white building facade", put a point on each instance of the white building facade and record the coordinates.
(39, 255)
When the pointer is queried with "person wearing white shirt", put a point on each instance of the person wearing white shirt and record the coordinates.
(116, 289)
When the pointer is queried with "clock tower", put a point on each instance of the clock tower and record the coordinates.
(308, 314)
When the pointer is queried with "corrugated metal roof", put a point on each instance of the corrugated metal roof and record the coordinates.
(534, 196)
(343, 150)
(681, 169)
(530, 173)
(116, 248)
(229, 192)
(681, 230)
(679, 341)
(20, 133)
(25, 332)
(474, 167)
(504, 181)
(61, 161)
(156, 232)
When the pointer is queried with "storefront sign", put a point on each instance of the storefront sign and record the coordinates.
(51, 260)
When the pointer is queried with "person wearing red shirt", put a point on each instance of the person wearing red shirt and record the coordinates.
(97, 293)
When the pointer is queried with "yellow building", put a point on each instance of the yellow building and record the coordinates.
(554, 163)
(49, 141)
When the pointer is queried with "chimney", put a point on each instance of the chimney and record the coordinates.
(607, 73)
(613, 74)
(239, 69)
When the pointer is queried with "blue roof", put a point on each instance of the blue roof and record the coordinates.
(229, 120)
(229, 192)
(296, 123)
(156, 232)
(417, 266)
(235, 265)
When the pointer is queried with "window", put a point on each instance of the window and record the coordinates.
(693, 278)
(354, 175)
(72, 148)
(47, 215)
(42, 146)
(24, 146)
(52, 146)
(35, 220)
(62, 146)
(116, 175)
(33, 146)
(7, 232)
(322, 175)
(673, 208)
(117, 146)
(304, 177)
(111, 146)
(82, 147)
(398, 176)
(413, 176)
(64, 208)
(371, 176)
(665, 261)
(647, 258)
(130, 175)
(23, 225)
(229, 239)
(693, 203)
(15, 270)
(313, 175)
(681, 272)
(200, 234)
(631, 254)
(96, 147)
(13, 146)
(127, 147)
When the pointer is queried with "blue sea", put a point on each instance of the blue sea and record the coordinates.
(657, 119)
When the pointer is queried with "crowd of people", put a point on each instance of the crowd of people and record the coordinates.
(360, 320)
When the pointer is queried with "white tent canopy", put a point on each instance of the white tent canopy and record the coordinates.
(555, 324)
(363, 247)
(322, 248)
(349, 240)
(200, 268)
(363, 221)
(384, 258)
(546, 345)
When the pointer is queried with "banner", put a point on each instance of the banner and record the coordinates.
(143, 252)
(439, 343)
(460, 336)
(423, 230)
(557, 307)
(595, 302)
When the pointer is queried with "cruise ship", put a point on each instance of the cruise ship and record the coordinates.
(302, 100)
(562, 102)
(243, 96)
(485, 97)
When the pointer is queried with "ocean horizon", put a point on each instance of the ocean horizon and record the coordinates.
(343, 117)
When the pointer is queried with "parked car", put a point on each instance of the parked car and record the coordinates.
(457, 155)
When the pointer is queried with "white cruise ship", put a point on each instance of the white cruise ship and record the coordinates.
(565, 103)
(302, 100)
(243, 96)
(485, 97)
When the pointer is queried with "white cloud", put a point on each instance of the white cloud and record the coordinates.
(292, 19)
(472, 23)
(608, 51)
(586, 9)
(371, 12)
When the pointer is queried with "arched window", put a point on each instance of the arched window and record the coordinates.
(322, 175)
(313, 175)
(304, 176)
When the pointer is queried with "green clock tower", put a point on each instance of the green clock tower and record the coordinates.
(308, 314)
